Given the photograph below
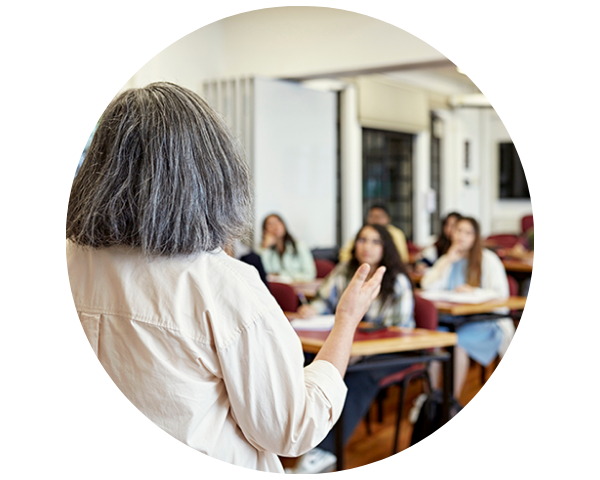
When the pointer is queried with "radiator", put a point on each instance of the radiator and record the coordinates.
(233, 100)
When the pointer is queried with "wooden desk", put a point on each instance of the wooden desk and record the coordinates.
(388, 341)
(459, 309)
(518, 266)
(391, 340)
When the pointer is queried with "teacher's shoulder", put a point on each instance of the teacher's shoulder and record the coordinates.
(235, 283)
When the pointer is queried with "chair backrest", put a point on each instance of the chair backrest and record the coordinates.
(285, 296)
(513, 286)
(412, 248)
(526, 223)
(426, 315)
(323, 267)
(505, 240)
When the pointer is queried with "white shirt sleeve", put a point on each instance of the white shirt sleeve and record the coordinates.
(280, 406)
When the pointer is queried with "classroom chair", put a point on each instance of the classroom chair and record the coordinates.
(412, 248)
(526, 223)
(504, 240)
(426, 316)
(285, 296)
(323, 267)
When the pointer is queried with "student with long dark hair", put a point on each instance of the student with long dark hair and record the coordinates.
(393, 306)
(282, 254)
(465, 267)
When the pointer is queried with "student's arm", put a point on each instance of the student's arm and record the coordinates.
(327, 296)
(494, 275)
(308, 269)
(436, 277)
(404, 304)
(269, 260)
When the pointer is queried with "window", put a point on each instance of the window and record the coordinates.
(387, 175)
(513, 184)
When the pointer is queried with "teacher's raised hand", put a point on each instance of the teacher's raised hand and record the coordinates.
(352, 307)
(359, 294)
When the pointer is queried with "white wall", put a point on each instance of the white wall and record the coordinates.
(506, 214)
(283, 42)
(484, 130)
(291, 41)
(294, 41)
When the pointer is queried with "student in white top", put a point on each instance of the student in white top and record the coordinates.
(191, 336)
(465, 267)
(282, 255)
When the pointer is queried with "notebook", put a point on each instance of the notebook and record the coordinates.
(319, 322)
(477, 296)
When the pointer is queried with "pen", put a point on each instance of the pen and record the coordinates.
(302, 298)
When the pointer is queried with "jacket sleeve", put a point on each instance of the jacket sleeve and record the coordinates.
(400, 242)
(308, 269)
(494, 278)
(269, 261)
(404, 303)
(494, 275)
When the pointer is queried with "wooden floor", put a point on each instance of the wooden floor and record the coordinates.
(363, 449)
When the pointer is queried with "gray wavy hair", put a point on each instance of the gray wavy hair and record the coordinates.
(163, 173)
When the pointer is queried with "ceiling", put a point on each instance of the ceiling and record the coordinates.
(439, 76)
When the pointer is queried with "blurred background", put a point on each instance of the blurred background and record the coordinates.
(338, 111)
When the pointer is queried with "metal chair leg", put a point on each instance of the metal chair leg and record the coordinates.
(403, 388)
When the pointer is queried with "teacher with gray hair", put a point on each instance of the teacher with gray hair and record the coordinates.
(191, 336)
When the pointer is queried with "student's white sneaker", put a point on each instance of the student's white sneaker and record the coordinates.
(314, 461)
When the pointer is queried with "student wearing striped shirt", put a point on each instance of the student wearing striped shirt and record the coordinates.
(393, 306)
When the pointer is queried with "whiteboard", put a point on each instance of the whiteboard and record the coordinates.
(294, 160)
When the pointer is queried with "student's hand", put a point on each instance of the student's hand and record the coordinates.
(454, 254)
(518, 251)
(268, 240)
(306, 311)
(420, 268)
(359, 294)
(465, 289)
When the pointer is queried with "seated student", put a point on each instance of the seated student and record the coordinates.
(378, 215)
(523, 251)
(284, 256)
(430, 254)
(467, 266)
(241, 251)
(393, 306)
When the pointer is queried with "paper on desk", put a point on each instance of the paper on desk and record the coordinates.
(477, 296)
(320, 322)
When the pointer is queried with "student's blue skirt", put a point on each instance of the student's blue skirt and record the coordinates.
(481, 340)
